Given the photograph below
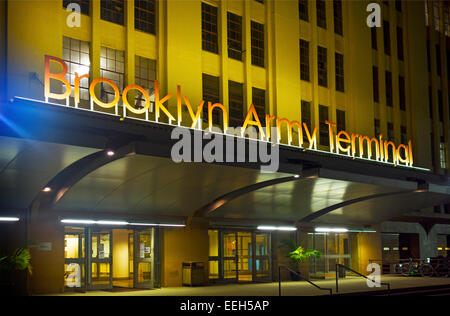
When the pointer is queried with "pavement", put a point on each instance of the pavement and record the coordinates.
(288, 288)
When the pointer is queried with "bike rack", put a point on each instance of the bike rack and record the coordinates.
(351, 270)
(304, 279)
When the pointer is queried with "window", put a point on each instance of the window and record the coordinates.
(437, 208)
(440, 106)
(211, 94)
(322, 66)
(259, 101)
(339, 63)
(257, 34)
(447, 20)
(209, 28)
(340, 120)
(436, 15)
(388, 81)
(145, 74)
(323, 127)
(234, 36)
(76, 56)
(304, 60)
(144, 16)
(112, 11)
(112, 64)
(373, 31)
(375, 85)
(387, 38)
(401, 93)
(321, 13)
(442, 152)
(390, 132)
(430, 101)
(400, 43)
(403, 135)
(377, 127)
(303, 10)
(337, 10)
(306, 117)
(84, 5)
(236, 102)
(398, 5)
(438, 59)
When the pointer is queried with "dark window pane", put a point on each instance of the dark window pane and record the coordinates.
(211, 93)
(113, 11)
(323, 127)
(402, 95)
(234, 36)
(339, 61)
(303, 10)
(321, 13)
(387, 38)
(322, 66)
(373, 31)
(257, 35)
(340, 120)
(400, 43)
(337, 10)
(306, 117)
(209, 28)
(376, 93)
(304, 60)
(236, 103)
(259, 101)
(144, 15)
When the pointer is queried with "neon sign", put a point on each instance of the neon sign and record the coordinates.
(342, 143)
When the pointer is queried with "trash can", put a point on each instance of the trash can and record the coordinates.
(193, 273)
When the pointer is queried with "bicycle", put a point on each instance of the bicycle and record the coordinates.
(412, 268)
(442, 269)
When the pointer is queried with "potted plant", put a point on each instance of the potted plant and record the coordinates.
(11, 268)
(297, 255)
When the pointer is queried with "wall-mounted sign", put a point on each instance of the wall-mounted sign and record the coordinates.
(277, 130)
(44, 246)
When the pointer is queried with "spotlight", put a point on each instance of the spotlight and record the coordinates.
(110, 153)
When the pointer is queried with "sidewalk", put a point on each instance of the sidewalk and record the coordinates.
(288, 288)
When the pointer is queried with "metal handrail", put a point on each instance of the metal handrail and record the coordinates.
(299, 275)
(362, 275)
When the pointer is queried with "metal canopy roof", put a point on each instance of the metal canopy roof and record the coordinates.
(41, 142)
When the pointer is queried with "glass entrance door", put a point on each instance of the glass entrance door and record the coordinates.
(239, 256)
(143, 263)
(262, 258)
(229, 256)
(74, 258)
(245, 256)
(100, 276)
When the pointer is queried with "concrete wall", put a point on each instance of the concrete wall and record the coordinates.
(428, 242)
(182, 245)
(48, 265)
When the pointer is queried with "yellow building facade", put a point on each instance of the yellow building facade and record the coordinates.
(318, 63)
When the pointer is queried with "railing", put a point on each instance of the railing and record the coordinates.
(302, 278)
(338, 265)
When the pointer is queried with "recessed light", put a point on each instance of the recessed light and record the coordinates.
(46, 189)
(110, 153)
